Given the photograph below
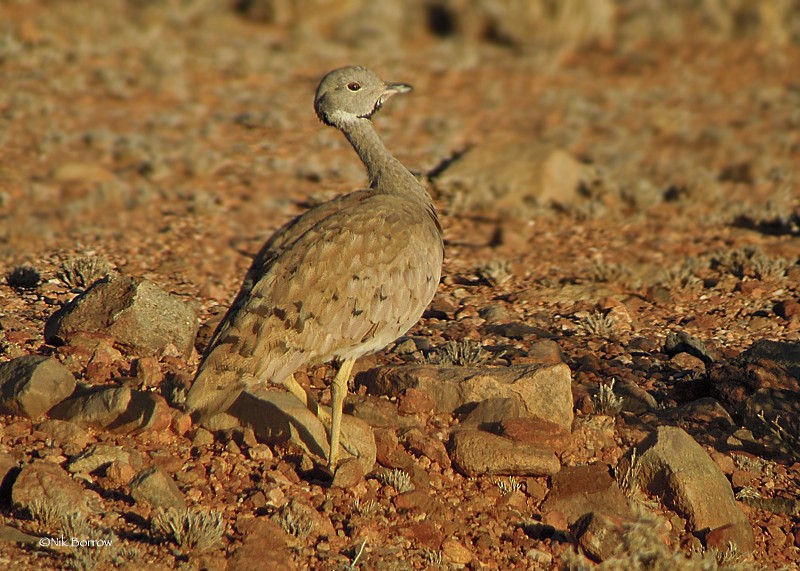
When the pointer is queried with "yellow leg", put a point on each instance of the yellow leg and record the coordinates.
(338, 392)
(294, 387)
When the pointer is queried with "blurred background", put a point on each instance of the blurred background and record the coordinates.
(167, 134)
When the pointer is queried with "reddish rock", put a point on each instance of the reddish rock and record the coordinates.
(120, 473)
(578, 490)
(100, 456)
(420, 444)
(515, 500)
(31, 385)
(788, 309)
(598, 534)
(103, 364)
(147, 371)
(475, 453)
(546, 351)
(261, 453)
(742, 478)
(556, 519)
(456, 552)
(544, 390)
(736, 533)
(416, 401)
(416, 500)
(705, 411)
(153, 486)
(426, 534)
(117, 409)
(48, 482)
(264, 546)
(675, 467)
(492, 411)
(536, 433)
(181, 423)
(380, 412)
(724, 461)
(349, 472)
(734, 382)
(68, 435)
(389, 453)
(137, 313)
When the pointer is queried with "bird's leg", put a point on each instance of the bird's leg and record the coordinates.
(294, 387)
(298, 391)
(338, 392)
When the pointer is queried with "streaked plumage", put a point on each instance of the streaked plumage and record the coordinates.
(342, 280)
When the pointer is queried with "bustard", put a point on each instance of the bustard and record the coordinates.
(342, 280)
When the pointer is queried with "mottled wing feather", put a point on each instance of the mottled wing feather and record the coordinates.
(343, 280)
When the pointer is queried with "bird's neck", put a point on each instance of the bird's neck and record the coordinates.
(386, 173)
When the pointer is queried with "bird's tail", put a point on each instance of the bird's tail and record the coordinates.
(213, 391)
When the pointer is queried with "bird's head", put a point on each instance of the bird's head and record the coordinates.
(349, 93)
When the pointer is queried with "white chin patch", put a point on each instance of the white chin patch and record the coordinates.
(340, 117)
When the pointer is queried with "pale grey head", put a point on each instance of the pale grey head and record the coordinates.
(349, 93)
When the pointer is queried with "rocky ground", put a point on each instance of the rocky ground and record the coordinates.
(608, 375)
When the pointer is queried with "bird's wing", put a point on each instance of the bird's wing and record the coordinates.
(344, 279)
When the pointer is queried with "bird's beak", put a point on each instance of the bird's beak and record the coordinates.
(389, 90)
(393, 88)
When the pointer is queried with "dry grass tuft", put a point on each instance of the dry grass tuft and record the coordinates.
(464, 353)
(81, 272)
(606, 402)
(190, 530)
(399, 479)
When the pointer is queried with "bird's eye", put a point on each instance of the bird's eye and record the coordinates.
(353, 86)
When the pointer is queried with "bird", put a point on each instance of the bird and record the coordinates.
(342, 280)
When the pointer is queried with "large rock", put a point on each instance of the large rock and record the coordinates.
(475, 452)
(676, 468)
(44, 481)
(33, 384)
(117, 409)
(578, 490)
(141, 317)
(153, 486)
(277, 416)
(545, 391)
(506, 176)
